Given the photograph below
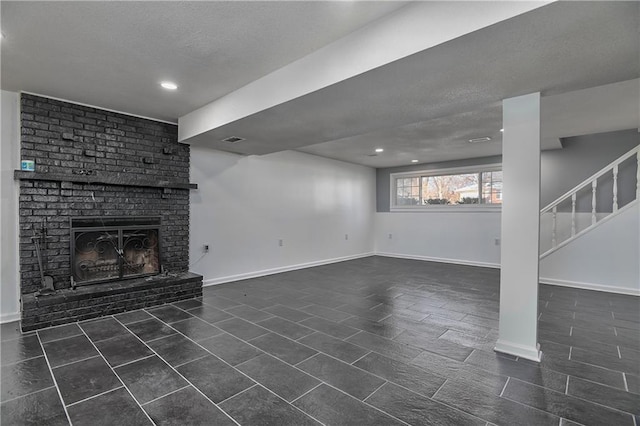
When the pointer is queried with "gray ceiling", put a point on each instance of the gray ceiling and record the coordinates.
(425, 106)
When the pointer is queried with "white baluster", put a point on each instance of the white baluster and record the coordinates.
(553, 229)
(594, 185)
(615, 188)
(573, 214)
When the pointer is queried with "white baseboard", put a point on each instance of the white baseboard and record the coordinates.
(15, 316)
(591, 286)
(440, 259)
(265, 272)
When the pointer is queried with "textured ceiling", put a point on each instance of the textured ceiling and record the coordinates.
(555, 49)
(425, 106)
(114, 54)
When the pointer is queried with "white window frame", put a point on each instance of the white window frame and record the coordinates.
(442, 207)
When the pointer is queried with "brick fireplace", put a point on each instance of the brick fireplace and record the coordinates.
(108, 189)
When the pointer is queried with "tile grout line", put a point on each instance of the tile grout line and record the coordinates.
(297, 368)
(116, 374)
(566, 388)
(370, 352)
(166, 394)
(240, 392)
(505, 386)
(94, 396)
(619, 354)
(131, 362)
(570, 352)
(75, 362)
(28, 394)
(376, 390)
(446, 379)
(624, 379)
(176, 371)
(53, 377)
(23, 360)
(309, 391)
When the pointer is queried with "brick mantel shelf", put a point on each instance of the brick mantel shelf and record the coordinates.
(111, 179)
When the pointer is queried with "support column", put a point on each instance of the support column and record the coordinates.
(519, 274)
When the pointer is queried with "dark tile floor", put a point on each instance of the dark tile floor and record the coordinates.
(375, 341)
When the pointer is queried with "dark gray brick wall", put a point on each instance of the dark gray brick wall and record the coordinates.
(65, 138)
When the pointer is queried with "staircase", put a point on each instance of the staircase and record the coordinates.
(594, 201)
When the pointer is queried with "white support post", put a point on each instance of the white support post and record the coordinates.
(638, 177)
(573, 214)
(553, 230)
(615, 188)
(594, 186)
(519, 272)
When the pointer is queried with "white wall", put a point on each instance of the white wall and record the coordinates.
(244, 205)
(9, 161)
(465, 237)
(605, 258)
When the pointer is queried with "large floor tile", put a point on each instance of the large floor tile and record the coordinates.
(196, 329)
(285, 328)
(177, 349)
(85, 379)
(133, 316)
(345, 377)
(383, 329)
(24, 377)
(41, 408)
(283, 348)
(113, 408)
(385, 346)
(150, 378)
(20, 349)
(169, 313)
(400, 373)
(150, 329)
(337, 348)
(122, 349)
(230, 349)
(258, 406)
(102, 329)
(326, 313)
(339, 331)
(604, 395)
(214, 378)
(69, 350)
(60, 332)
(565, 406)
(332, 407)
(210, 314)
(287, 382)
(248, 313)
(186, 407)
(288, 313)
(476, 400)
(241, 329)
(418, 410)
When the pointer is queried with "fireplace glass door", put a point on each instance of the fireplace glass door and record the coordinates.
(116, 249)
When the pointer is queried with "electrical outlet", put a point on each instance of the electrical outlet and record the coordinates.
(206, 248)
(280, 243)
(346, 236)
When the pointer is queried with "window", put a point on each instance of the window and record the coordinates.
(452, 187)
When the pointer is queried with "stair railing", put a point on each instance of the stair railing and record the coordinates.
(572, 194)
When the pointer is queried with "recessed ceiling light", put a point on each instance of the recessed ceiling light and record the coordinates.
(414, 161)
(478, 140)
(502, 130)
(379, 150)
(169, 85)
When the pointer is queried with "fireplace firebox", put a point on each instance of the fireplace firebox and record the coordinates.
(114, 248)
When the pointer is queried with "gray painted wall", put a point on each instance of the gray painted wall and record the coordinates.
(561, 169)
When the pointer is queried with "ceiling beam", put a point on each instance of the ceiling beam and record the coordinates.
(411, 29)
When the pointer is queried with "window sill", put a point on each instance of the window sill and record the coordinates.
(460, 208)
